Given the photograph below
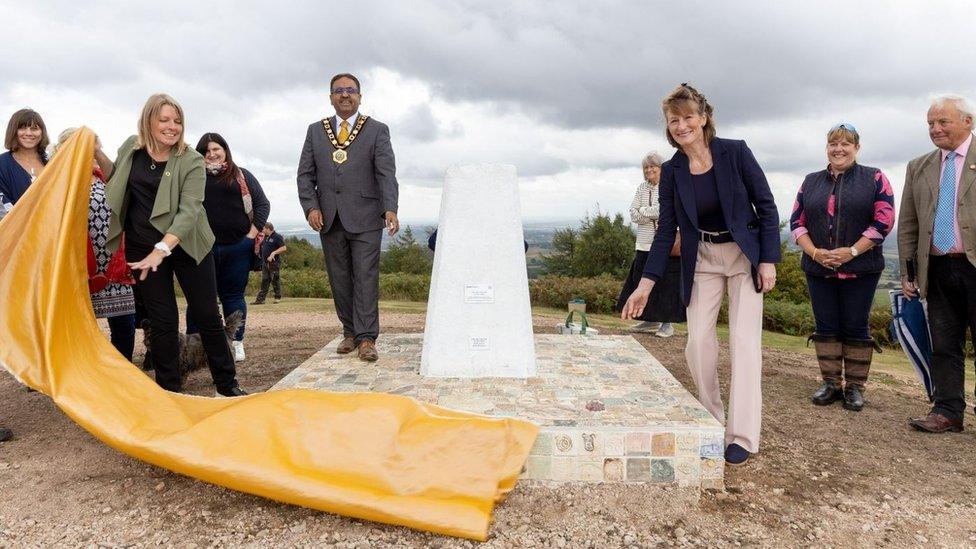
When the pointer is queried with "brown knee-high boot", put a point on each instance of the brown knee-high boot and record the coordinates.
(830, 357)
(857, 363)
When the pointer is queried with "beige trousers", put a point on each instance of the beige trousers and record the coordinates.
(720, 268)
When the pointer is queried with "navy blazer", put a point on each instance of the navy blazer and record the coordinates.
(747, 206)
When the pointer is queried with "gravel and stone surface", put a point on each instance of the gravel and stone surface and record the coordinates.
(825, 477)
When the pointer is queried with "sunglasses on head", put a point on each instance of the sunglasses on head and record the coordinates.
(844, 126)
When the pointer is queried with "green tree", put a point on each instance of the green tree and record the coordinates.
(601, 246)
(405, 255)
(559, 261)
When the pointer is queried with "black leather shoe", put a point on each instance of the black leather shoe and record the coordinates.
(6, 434)
(828, 393)
(235, 392)
(853, 398)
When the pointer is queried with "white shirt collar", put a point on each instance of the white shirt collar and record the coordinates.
(352, 121)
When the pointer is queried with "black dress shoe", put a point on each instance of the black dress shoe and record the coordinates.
(853, 398)
(736, 455)
(828, 393)
(6, 434)
(235, 392)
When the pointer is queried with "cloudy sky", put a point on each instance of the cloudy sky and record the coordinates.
(568, 91)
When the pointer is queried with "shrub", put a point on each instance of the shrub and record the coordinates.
(600, 292)
(404, 287)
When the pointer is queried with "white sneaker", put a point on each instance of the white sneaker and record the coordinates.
(238, 347)
(666, 330)
(646, 327)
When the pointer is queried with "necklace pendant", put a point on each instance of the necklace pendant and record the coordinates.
(340, 156)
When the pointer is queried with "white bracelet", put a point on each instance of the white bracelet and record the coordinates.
(163, 247)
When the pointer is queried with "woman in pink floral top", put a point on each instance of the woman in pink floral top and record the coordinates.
(841, 217)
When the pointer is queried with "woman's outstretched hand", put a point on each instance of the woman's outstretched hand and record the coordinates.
(637, 300)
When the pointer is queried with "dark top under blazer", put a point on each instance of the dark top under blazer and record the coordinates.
(747, 205)
(360, 190)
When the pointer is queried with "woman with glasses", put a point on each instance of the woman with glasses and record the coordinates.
(716, 192)
(841, 216)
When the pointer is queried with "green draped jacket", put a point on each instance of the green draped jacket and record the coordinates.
(178, 209)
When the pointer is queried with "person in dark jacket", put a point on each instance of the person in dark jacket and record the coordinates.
(26, 141)
(716, 192)
(237, 210)
(841, 216)
(271, 248)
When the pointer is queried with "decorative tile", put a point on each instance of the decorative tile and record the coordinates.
(543, 445)
(662, 471)
(638, 469)
(589, 469)
(563, 468)
(565, 444)
(614, 444)
(592, 444)
(638, 444)
(662, 444)
(537, 468)
(688, 444)
(613, 470)
(597, 401)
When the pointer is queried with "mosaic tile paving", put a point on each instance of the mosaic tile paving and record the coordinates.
(609, 411)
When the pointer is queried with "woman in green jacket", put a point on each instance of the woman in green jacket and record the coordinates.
(156, 196)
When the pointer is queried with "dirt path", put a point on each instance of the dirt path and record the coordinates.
(825, 477)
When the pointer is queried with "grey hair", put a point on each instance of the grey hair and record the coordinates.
(652, 159)
(61, 139)
(962, 104)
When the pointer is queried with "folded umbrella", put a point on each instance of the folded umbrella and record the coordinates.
(909, 325)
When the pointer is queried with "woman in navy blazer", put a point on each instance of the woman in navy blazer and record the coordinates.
(715, 189)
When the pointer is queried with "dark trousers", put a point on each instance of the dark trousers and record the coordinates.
(232, 266)
(123, 333)
(951, 310)
(842, 306)
(353, 263)
(159, 298)
(270, 276)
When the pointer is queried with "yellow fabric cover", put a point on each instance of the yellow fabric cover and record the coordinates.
(373, 456)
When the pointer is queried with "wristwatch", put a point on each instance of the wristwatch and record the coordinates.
(854, 251)
(163, 247)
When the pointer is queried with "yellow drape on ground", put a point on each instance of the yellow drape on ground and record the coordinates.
(367, 455)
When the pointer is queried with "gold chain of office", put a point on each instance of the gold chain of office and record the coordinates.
(339, 155)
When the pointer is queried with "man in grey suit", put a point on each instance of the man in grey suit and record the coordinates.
(937, 234)
(348, 190)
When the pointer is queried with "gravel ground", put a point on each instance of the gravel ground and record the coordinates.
(825, 477)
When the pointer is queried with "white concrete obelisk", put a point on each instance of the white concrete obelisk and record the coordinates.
(479, 322)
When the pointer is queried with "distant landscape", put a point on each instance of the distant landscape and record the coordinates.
(539, 236)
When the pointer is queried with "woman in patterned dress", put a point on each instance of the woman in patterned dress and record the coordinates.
(114, 301)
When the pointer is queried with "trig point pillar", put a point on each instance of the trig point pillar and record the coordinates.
(479, 322)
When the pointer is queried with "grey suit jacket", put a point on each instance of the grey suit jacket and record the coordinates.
(360, 190)
(917, 216)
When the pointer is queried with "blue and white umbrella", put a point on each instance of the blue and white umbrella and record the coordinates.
(909, 325)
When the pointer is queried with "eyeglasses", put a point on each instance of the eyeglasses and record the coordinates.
(844, 126)
(340, 91)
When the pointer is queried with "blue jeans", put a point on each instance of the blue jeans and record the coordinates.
(232, 263)
(123, 333)
(842, 307)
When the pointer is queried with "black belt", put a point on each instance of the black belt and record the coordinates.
(720, 237)
(950, 256)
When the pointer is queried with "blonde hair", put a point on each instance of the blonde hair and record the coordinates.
(150, 112)
(842, 131)
(685, 99)
(62, 137)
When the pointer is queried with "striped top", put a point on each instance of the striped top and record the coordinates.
(644, 211)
